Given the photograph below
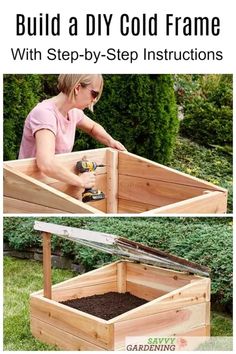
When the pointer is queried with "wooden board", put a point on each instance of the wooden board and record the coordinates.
(203, 331)
(144, 292)
(132, 207)
(193, 293)
(72, 321)
(100, 206)
(167, 323)
(112, 181)
(200, 332)
(84, 291)
(17, 206)
(94, 282)
(49, 334)
(209, 203)
(147, 187)
(121, 277)
(47, 281)
(151, 283)
(22, 187)
(29, 166)
(73, 190)
(158, 193)
(136, 166)
(164, 279)
(70, 190)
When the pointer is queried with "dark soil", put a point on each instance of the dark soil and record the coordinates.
(107, 305)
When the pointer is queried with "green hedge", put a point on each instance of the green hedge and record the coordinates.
(212, 165)
(208, 124)
(20, 94)
(138, 110)
(207, 241)
(208, 108)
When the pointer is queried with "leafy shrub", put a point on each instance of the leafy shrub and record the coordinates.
(207, 101)
(207, 241)
(207, 124)
(21, 94)
(212, 165)
(49, 85)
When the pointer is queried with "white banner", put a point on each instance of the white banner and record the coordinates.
(110, 37)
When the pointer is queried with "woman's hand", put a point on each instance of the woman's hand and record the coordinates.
(87, 179)
(115, 144)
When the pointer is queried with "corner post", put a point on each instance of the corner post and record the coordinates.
(121, 277)
(112, 181)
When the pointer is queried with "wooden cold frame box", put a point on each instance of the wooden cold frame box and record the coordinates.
(132, 184)
(179, 304)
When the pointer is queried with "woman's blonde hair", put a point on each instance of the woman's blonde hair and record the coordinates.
(68, 82)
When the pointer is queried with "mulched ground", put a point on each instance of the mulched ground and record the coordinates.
(107, 305)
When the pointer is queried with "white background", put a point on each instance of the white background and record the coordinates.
(224, 42)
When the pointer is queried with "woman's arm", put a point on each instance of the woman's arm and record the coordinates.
(46, 162)
(99, 133)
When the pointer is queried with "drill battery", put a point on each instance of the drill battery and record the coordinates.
(92, 195)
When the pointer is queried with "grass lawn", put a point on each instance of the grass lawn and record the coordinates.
(209, 164)
(21, 277)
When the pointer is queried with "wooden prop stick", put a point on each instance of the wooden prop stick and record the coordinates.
(47, 282)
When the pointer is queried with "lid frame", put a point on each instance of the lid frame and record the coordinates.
(112, 244)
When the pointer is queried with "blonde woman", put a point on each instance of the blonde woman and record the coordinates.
(50, 127)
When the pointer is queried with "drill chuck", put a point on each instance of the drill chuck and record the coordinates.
(87, 166)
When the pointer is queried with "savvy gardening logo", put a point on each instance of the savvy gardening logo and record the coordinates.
(155, 343)
(178, 343)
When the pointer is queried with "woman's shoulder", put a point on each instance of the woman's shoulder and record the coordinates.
(42, 108)
(44, 105)
(42, 112)
(77, 114)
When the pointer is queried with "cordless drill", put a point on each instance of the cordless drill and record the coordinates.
(89, 194)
